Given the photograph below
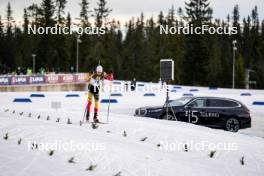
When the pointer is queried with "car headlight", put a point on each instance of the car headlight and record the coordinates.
(154, 110)
(140, 112)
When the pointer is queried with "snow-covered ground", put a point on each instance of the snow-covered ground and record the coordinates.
(127, 145)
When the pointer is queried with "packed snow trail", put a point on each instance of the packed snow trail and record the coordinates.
(126, 154)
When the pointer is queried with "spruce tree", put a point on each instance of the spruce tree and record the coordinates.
(62, 45)
(198, 11)
(26, 21)
(255, 36)
(127, 54)
(236, 23)
(171, 16)
(48, 10)
(9, 56)
(34, 13)
(161, 20)
(197, 47)
(60, 6)
(68, 20)
(1, 27)
(2, 65)
(9, 18)
(101, 13)
(84, 14)
(240, 72)
(46, 50)
(215, 66)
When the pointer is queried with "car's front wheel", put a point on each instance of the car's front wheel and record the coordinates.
(232, 125)
(169, 117)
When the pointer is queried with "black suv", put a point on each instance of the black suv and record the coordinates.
(214, 112)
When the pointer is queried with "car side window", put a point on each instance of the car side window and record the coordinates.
(214, 103)
(220, 103)
(199, 103)
(230, 103)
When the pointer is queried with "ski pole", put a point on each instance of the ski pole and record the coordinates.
(108, 108)
(84, 114)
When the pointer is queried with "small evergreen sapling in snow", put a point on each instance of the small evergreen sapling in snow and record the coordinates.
(6, 136)
(124, 134)
(118, 173)
(38, 117)
(51, 152)
(108, 131)
(48, 118)
(29, 115)
(71, 160)
(6, 110)
(94, 126)
(34, 145)
(158, 145)
(144, 139)
(19, 141)
(81, 123)
(91, 167)
(211, 154)
(58, 119)
(242, 161)
(14, 112)
(186, 148)
(21, 113)
(69, 121)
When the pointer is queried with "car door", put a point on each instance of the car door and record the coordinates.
(194, 111)
(180, 113)
(215, 111)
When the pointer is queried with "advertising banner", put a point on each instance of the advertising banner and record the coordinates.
(69, 78)
(19, 80)
(52, 79)
(38, 79)
(41, 79)
(80, 78)
(4, 81)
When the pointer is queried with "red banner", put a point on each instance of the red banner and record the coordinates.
(66, 78)
(80, 78)
(41, 79)
(52, 79)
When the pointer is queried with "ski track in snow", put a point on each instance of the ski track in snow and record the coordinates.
(127, 155)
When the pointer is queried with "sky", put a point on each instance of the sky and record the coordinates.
(125, 9)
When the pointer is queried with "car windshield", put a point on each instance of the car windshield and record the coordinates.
(181, 101)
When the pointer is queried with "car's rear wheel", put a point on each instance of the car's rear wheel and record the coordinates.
(232, 125)
(169, 117)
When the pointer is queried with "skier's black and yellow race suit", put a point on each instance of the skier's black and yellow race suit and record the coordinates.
(95, 80)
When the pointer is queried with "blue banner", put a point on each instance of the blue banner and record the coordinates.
(38, 79)
(19, 80)
(4, 81)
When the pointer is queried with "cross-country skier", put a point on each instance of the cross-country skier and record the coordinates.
(95, 79)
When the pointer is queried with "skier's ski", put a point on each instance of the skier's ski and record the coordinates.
(87, 122)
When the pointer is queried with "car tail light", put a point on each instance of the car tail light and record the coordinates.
(248, 113)
(246, 108)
